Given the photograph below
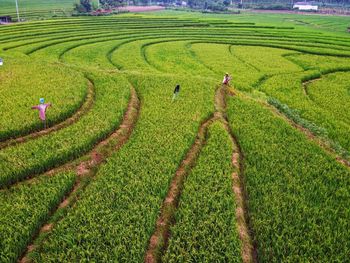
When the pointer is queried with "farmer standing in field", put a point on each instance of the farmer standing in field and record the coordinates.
(42, 110)
(227, 79)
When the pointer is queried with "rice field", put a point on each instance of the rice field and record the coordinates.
(124, 171)
(37, 9)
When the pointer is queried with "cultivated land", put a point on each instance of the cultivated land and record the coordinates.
(37, 9)
(254, 172)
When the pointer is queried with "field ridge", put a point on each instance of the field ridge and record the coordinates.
(87, 169)
(84, 108)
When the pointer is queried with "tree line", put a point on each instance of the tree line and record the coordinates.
(84, 6)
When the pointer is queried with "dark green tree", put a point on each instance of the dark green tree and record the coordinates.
(112, 3)
(84, 6)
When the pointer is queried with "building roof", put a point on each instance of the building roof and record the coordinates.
(305, 3)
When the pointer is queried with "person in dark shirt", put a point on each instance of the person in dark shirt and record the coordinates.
(176, 92)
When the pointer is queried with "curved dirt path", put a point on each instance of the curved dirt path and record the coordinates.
(320, 141)
(159, 240)
(248, 248)
(325, 145)
(84, 108)
(87, 168)
(305, 85)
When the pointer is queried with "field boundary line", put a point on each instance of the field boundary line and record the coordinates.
(245, 231)
(86, 169)
(316, 139)
(307, 81)
(158, 242)
(278, 45)
(82, 110)
(325, 145)
(160, 237)
(248, 248)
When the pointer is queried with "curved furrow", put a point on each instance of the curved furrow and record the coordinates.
(327, 146)
(245, 231)
(26, 160)
(248, 249)
(318, 77)
(93, 40)
(84, 108)
(134, 36)
(45, 36)
(86, 169)
(159, 240)
(160, 39)
(115, 49)
(306, 82)
(147, 45)
(192, 53)
(281, 45)
(321, 139)
(38, 33)
(242, 60)
(69, 38)
(193, 40)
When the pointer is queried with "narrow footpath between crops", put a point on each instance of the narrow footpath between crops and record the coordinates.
(324, 144)
(159, 240)
(84, 108)
(306, 84)
(86, 168)
(248, 249)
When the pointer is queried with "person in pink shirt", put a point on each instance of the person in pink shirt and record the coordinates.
(42, 110)
(227, 79)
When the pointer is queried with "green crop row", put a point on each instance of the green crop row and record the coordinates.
(25, 207)
(36, 156)
(298, 195)
(288, 89)
(100, 23)
(294, 116)
(316, 62)
(205, 227)
(21, 88)
(121, 205)
(331, 93)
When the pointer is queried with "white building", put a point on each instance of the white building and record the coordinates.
(305, 6)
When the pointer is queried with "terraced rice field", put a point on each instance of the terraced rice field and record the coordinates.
(257, 171)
